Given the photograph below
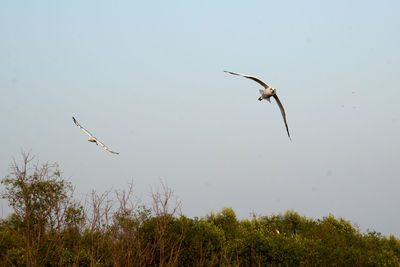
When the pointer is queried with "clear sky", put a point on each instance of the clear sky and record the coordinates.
(146, 78)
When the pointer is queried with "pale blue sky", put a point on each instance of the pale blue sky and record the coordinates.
(147, 79)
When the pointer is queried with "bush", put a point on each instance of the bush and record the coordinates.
(48, 227)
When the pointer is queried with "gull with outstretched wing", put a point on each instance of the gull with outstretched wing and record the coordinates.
(92, 138)
(266, 94)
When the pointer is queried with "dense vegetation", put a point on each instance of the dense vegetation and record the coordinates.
(48, 227)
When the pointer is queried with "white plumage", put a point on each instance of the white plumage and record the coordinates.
(92, 138)
(266, 94)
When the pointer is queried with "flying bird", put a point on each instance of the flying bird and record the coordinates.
(92, 138)
(266, 94)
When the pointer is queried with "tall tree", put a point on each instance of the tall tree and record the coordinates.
(41, 200)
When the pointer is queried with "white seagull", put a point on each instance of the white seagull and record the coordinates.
(92, 138)
(266, 94)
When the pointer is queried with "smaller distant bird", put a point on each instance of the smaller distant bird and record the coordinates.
(92, 138)
(266, 94)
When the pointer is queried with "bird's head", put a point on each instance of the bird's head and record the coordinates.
(273, 90)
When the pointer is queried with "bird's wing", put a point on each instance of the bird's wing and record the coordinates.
(283, 114)
(105, 147)
(83, 129)
(250, 77)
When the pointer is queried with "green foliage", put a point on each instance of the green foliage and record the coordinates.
(203, 243)
(41, 200)
(49, 228)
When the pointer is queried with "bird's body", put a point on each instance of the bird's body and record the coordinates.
(266, 94)
(92, 138)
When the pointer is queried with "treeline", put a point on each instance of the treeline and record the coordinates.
(49, 228)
